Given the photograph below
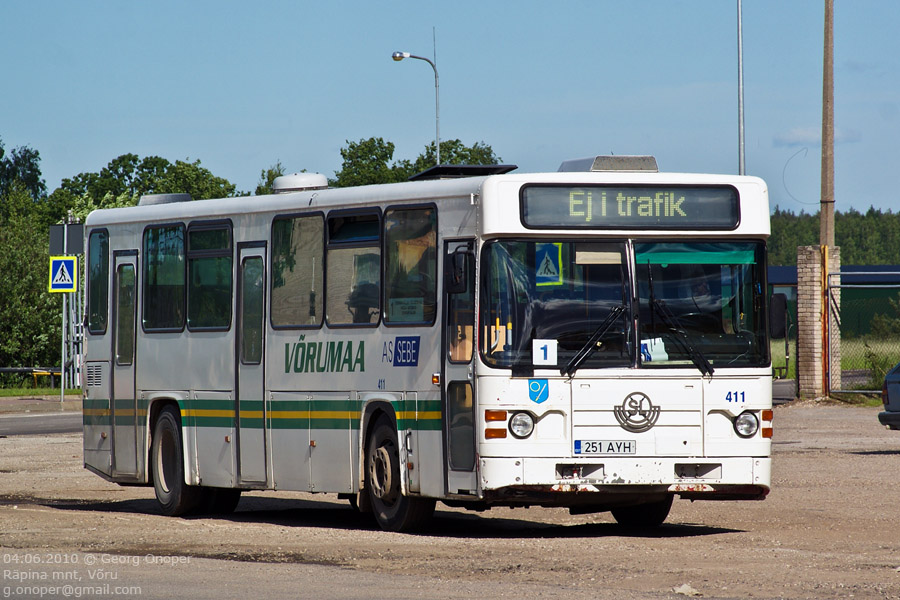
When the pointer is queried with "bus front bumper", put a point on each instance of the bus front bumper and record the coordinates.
(727, 478)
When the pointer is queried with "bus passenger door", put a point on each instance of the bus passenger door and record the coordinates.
(123, 402)
(457, 379)
(250, 410)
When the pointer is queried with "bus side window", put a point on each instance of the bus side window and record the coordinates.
(164, 278)
(209, 289)
(98, 282)
(353, 280)
(461, 312)
(410, 265)
(297, 271)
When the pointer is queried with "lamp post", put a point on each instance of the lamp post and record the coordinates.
(398, 56)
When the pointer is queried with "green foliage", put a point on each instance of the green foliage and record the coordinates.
(267, 178)
(878, 366)
(22, 165)
(453, 152)
(126, 178)
(29, 314)
(369, 161)
(887, 325)
(870, 238)
(191, 178)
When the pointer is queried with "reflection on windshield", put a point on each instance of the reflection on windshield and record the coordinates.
(714, 294)
(542, 302)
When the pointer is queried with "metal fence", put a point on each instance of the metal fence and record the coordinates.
(863, 330)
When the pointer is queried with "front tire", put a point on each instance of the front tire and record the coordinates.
(175, 497)
(393, 511)
(651, 514)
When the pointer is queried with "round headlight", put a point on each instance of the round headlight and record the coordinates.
(746, 425)
(521, 425)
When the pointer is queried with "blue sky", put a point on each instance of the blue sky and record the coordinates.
(241, 85)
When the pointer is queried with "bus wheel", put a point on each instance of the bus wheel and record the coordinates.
(167, 463)
(393, 511)
(651, 514)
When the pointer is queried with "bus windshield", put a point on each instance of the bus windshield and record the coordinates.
(566, 305)
(546, 303)
(701, 303)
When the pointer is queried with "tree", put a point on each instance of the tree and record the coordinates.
(128, 177)
(366, 162)
(872, 238)
(29, 314)
(267, 179)
(369, 161)
(21, 169)
(454, 152)
(191, 178)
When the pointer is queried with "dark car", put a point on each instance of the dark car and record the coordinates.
(890, 395)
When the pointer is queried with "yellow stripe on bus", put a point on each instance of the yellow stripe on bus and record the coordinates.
(314, 414)
(426, 415)
(96, 412)
(199, 412)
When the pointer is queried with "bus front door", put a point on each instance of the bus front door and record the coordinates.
(123, 402)
(250, 408)
(457, 379)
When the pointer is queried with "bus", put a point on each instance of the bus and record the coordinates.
(594, 338)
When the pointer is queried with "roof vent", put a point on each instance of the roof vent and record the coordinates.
(610, 163)
(152, 199)
(299, 182)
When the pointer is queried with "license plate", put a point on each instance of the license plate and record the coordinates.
(605, 447)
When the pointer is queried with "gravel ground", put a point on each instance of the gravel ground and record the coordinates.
(829, 529)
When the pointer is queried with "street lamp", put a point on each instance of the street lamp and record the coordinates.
(398, 56)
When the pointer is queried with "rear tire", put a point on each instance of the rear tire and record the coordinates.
(393, 511)
(651, 514)
(175, 497)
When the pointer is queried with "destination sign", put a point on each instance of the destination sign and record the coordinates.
(630, 207)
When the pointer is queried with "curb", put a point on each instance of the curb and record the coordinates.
(39, 404)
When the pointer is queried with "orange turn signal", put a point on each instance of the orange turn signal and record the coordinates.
(768, 414)
(767, 432)
(494, 434)
(495, 415)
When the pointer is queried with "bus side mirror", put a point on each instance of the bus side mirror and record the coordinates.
(777, 316)
(456, 272)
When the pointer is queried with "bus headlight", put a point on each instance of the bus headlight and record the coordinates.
(521, 425)
(746, 424)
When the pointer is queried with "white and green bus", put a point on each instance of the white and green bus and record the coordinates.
(593, 338)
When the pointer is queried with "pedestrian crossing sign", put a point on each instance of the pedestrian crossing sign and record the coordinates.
(63, 274)
(548, 264)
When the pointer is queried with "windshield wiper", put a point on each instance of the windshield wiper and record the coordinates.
(591, 345)
(671, 321)
(682, 338)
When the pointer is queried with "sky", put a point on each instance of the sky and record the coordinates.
(243, 85)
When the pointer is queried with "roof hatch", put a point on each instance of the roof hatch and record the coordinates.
(610, 163)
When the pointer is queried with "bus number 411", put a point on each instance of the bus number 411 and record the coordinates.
(736, 397)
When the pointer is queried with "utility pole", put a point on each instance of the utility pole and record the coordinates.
(826, 215)
(741, 167)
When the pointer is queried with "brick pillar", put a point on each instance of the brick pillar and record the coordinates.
(811, 315)
(809, 322)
